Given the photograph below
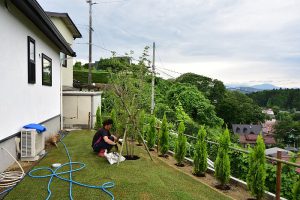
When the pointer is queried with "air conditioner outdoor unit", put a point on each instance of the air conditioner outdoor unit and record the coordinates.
(32, 143)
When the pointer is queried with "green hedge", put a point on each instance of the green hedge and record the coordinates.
(97, 77)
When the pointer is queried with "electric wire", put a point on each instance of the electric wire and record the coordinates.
(54, 173)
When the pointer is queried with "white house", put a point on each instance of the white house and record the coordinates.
(30, 72)
(69, 31)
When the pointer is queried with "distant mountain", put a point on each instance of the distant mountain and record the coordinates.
(265, 86)
(245, 90)
(249, 89)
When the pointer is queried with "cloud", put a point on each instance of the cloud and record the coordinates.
(233, 37)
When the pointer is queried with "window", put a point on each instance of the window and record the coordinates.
(46, 70)
(63, 60)
(31, 59)
(238, 130)
(245, 130)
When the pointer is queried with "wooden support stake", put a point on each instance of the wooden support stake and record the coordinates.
(278, 176)
(123, 141)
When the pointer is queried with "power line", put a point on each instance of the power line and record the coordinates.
(165, 73)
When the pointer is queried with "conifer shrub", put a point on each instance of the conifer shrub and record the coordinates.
(141, 127)
(296, 191)
(180, 147)
(200, 154)
(257, 169)
(164, 137)
(98, 123)
(113, 116)
(151, 133)
(222, 163)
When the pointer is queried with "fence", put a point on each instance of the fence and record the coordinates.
(278, 161)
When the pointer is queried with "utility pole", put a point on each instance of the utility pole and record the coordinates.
(90, 42)
(153, 79)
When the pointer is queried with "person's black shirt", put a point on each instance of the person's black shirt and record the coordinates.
(100, 133)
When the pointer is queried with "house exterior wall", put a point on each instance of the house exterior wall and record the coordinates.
(67, 72)
(20, 102)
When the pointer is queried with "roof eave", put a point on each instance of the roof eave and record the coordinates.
(38, 16)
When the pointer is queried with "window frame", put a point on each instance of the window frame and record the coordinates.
(50, 61)
(31, 63)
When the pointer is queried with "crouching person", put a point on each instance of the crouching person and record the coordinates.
(103, 139)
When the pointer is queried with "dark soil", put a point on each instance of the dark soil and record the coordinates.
(164, 156)
(179, 165)
(134, 157)
(151, 149)
(223, 187)
(199, 175)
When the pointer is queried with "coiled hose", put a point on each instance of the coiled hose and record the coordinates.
(9, 179)
(53, 173)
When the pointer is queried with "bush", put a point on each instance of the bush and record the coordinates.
(257, 169)
(296, 191)
(200, 156)
(97, 77)
(98, 123)
(151, 133)
(222, 164)
(164, 137)
(141, 126)
(180, 148)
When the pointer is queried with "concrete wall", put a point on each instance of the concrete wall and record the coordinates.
(76, 108)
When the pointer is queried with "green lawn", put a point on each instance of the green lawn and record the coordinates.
(140, 179)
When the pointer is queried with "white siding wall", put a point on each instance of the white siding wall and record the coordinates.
(67, 72)
(22, 103)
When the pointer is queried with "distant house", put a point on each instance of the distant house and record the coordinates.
(269, 127)
(248, 134)
(30, 72)
(269, 112)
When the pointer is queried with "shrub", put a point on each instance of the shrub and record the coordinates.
(222, 164)
(151, 133)
(200, 155)
(164, 137)
(296, 191)
(98, 123)
(113, 116)
(141, 126)
(180, 148)
(257, 169)
(97, 77)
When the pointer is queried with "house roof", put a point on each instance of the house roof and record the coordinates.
(246, 128)
(251, 139)
(35, 13)
(68, 21)
(274, 150)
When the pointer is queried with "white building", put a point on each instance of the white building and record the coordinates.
(30, 72)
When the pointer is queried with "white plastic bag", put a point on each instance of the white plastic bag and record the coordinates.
(113, 157)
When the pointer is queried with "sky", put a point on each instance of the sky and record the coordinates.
(243, 42)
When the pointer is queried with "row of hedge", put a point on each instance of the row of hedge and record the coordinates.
(97, 77)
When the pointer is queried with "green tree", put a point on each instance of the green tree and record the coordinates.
(296, 190)
(222, 164)
(194, 104)
(237, 108)
(77, 66)
(180, 148)
(164, 137)
(98, 123)
(257, 169)
(200, 155)
(151, 133)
